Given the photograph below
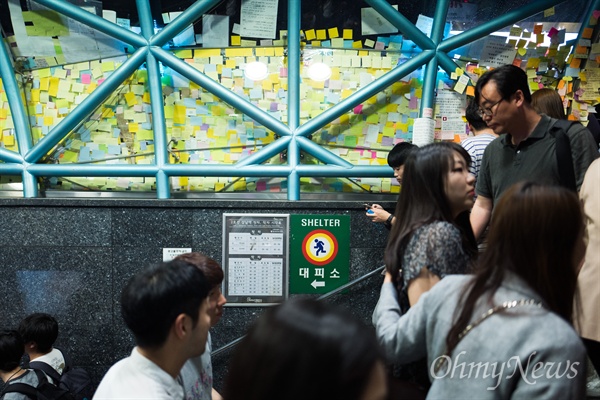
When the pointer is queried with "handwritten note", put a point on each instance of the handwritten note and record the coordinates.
(258, 18)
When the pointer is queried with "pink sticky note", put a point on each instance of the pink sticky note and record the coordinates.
(373, 154)
(86, 79)
(553, 31)
(596, 13)
(379, 46)
(100, 81)
(358, 109)
(261, 186)
(282, 72)
(412, 103)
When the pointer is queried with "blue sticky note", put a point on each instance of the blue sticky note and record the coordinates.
(115, 150)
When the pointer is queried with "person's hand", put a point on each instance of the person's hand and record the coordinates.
(377, 214)
(388, 277)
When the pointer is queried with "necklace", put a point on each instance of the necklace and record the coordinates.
(501, 307)
(6, 382)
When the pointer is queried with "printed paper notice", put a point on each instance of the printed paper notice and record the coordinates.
(496, 52)
(372, 23)
(258, 18)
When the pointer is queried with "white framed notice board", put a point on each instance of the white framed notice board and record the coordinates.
(255, 259)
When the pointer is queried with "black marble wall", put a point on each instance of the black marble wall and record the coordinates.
(70, 258)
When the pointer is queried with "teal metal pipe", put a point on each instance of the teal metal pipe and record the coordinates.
(257, 171)
(94, 21)
(335, 171)
(321, 153)
(497, 23)
(267, 152)
(15, 102)
(11, 169)
(86, 107)
(10, 156)
(30, 185)
(409, 29)
(145, 17)
(446, 62)
(113, 170)
(439, 20)
(293, 64)
(158, 124)
(189, 16)
(316, 123)
(293, 98)
(223, 93)
(429, 85)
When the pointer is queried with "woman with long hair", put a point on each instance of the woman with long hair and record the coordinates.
(506, 330)
(429, 242)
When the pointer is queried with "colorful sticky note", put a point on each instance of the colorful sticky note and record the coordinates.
(333, 33)
(310, 35)
(347, 34)
(321, 34)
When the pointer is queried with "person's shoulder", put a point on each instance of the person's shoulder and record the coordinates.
(442, 227)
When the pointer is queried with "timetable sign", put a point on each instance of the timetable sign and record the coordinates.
(255, 258)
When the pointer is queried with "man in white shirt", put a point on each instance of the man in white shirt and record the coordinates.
(166, 309)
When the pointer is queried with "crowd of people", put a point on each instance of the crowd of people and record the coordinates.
(519, 319)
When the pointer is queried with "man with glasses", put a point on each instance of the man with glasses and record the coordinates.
(526, 148)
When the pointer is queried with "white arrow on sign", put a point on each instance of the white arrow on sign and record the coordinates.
(317, 284)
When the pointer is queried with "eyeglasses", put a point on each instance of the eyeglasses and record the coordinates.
(487, 111)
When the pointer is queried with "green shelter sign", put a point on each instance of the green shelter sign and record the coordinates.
(319, 253)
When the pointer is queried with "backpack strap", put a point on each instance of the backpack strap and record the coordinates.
(24, 388)
(47, 369)
(564, 159)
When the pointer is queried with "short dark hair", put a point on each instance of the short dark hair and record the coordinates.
(12, 348)
(209, 267)
(303, 349)
(473, 117)
(40, 328)
(508, 78)
(154, 297)
(399, 153)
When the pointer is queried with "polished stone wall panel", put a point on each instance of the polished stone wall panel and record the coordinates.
(71, 258)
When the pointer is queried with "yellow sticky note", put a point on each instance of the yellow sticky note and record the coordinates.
(357, 44)
(186, 53)
(347, 34)
(310, 35)
(333, 33)
(549, 12)
(8, 140)
(108, 66)
(134, 127)
(236, 40)
(130, 98)
(321, 34)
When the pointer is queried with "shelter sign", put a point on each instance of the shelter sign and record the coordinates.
(319, 253)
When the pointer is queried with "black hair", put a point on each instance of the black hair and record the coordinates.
(303, 349)
(508, 78)
(399, 153)
(154, 297)
(473, 117)
(423, 200)
(209, 267)
(12, 348)
(40, 328)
